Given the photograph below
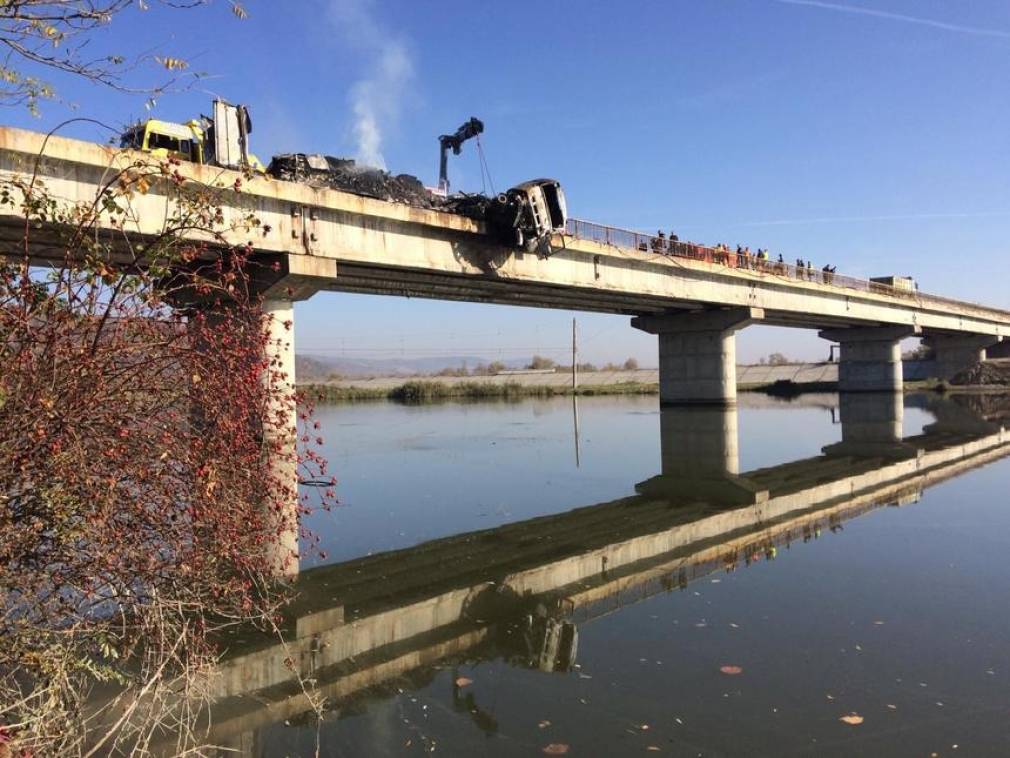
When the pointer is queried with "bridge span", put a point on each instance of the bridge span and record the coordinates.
(694, 300)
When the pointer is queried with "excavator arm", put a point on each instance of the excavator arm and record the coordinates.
(454, 142)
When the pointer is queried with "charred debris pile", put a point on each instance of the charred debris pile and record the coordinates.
(523, 217)
(983, 374)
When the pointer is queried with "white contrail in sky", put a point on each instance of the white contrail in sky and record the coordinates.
(895, 217)
(863, 11)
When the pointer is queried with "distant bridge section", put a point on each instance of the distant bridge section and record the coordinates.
(694, 298)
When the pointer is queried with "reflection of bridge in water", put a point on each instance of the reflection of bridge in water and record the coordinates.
(518, 591)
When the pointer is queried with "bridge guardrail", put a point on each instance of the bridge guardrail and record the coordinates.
(651, 243)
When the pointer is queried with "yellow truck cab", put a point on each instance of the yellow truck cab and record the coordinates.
(221, 140)
(166, 139)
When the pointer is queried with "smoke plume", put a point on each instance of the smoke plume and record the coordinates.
(376, 98)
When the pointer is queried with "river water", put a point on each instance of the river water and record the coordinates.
(503, 580)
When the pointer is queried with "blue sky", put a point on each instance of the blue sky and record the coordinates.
(872, 135)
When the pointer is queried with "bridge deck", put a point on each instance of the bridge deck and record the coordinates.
(344, 242)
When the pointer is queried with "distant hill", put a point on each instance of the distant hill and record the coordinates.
(316, 367)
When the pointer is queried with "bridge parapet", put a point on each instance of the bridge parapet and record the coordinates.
(627, 239)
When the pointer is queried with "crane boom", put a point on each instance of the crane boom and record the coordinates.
(455, 141)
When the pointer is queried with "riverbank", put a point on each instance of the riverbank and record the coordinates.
(426, 391)
(786, 381)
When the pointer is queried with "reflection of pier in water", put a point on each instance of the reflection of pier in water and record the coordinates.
(516, 590)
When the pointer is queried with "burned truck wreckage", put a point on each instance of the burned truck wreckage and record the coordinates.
(523, 217)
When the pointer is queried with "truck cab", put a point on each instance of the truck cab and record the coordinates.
(526, 215)
(219, 140)
(165, 139)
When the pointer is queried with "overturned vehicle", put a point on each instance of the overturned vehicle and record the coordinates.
(526, 215)
(523, 217)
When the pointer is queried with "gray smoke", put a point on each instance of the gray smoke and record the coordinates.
(377, 98)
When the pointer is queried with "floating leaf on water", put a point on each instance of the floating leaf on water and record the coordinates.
(555, 748)
(731, 670)
(463, 681)
(652, 749)
(853, 719)
(892, 707)
(544, 724)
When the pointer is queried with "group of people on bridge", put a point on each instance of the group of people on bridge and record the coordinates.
(742, 258)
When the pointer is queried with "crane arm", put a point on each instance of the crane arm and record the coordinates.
(454, 142)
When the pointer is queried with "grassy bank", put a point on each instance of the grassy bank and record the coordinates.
(435, 391)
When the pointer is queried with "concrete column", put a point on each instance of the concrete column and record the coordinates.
(697, 354)
(870, 357)
(871, 425)
(699, 441)
(282, 435)
(701, 458)
(281, 281)
(955, 352)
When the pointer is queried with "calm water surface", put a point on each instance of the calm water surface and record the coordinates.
(711, 584)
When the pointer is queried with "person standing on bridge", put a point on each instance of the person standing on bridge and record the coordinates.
(826, 273)
(810, 271)
(799, 268)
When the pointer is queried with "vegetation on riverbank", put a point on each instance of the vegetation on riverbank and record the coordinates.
(417, 392)
(434, 391)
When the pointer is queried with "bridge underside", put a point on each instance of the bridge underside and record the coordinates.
(696, 337)
(372, 279)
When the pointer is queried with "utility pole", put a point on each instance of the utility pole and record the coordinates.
(575, 363)
(575, 394)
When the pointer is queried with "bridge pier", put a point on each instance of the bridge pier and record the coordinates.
(699, 441)
(700, 453)
(282, 435)
(870, 357)
(955, 352)
(871, 426)
(295, 278)
(697, 354)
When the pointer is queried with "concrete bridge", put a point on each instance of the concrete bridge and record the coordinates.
(363, 624)
(694, 299)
